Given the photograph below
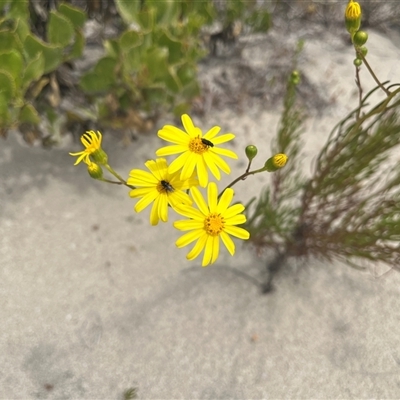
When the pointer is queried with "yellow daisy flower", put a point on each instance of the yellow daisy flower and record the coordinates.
(160, 188)
(209, 223)
(198, 151)
(92, 142)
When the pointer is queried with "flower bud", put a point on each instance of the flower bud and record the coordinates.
(360, 38)
(100, 156)
(251, 152)
(276, 162)
(295, 77)
(95, 170)
(352, 17)
(357, 62)
(363, 50)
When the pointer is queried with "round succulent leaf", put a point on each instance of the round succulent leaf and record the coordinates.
(7, 85)
(9, 41)
(129, 39)
(60, 30)
(19, 9)
(29, 114)
(12, 62)
(75, 15)
(5, 116)
(52, 53)
(22, 29)
(155, 61)
(78, 46)
(101, 77)
(128, 10)
(33, 71)
(166, 11)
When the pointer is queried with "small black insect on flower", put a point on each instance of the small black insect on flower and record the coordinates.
(207, 142)
(167, 186)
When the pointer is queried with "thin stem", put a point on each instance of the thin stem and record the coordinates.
(241, 178)
(122, 181)
(358, 83)
(359, 54)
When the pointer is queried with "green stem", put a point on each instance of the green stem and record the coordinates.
(242, 178)
(359, 54)
(122, 181)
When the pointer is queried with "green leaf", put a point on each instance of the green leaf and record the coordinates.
(5, 115)
(12, 62)
(22, 29)
(101, 77)
(155, 61)
(19, 9)
(33, 71)
(128, 10)
(9, 41)
(29, 114)
(52, 54)
(60, 30)
(174, 45)
(78, 46)
(166, 11)
(130, 39)
(7, 85)
(75, 15)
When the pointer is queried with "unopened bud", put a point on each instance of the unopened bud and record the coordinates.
(95, 170)
(276, 162)
(352, 17)
(295, 77)
(360, 38)
(251, 151)
(357, 62)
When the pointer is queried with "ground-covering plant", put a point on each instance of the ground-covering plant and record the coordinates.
(349, 209)
(28, 63)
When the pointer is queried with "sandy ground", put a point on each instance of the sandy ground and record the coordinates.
(93, 300)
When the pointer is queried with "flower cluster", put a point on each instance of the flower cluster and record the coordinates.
(165, 185)
(175, 186)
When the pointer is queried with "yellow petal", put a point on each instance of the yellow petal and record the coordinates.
(188, 167)
(157, 167)
(199, 200)
(179, 162)
(187, 225)
(232, 211)
(142, 178)
(220, 162)
(198, 247)
(236, 220)
(189, 126)
(146, 200)
(224, 152)
(224, 201)
(208, 252)
(215, 252)
(212, 133)
(237, 232)
(228, 242)
(202, 171)
(211, 165)
(189, 212)
(169, 150)
(140, 192)
(154, 216)
(223, 138)
(212, 194)
(163, 207)
(189, 237)
(178, 197)
(174, 135)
